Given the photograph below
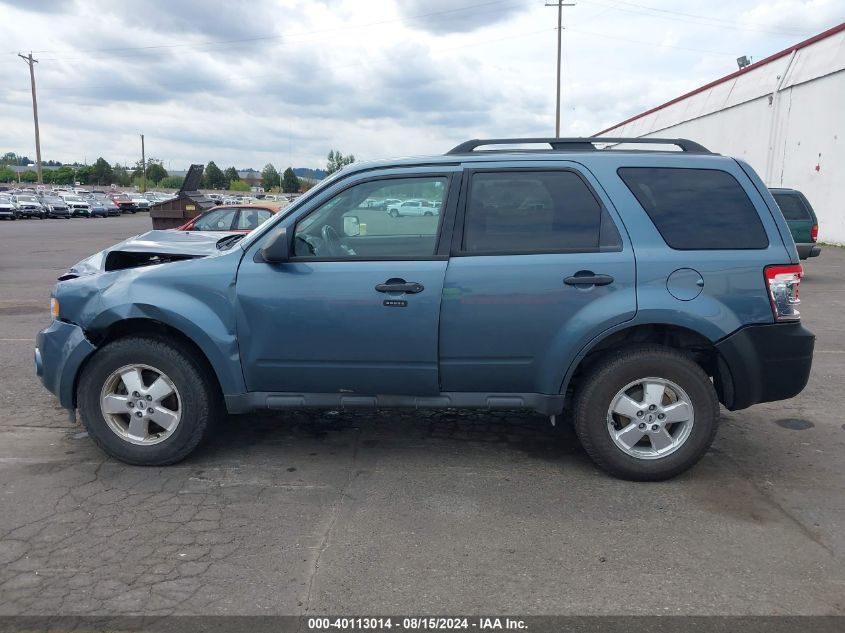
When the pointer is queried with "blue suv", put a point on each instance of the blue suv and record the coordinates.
(632, 289)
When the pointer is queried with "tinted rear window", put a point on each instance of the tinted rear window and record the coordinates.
(535, 212)
(792, 206)
(696, 209)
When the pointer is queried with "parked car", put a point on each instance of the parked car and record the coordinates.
(413, 207)
(109, 204)
(29, 206)
(226, 218)
(8, 209)
(644, 288)
(124, 203)
(141, 203)
(97, 207)
(55, 207)
(78, 207)
(801, 219)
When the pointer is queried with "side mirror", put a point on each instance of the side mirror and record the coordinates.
(351, 226)
(277, 248)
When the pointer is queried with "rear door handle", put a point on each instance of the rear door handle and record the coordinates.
(391, 285)
(588, 280)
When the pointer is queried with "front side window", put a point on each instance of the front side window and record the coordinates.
(357, 223)
(218, 220)
(535, 212)
(250, 219)
(696, 209)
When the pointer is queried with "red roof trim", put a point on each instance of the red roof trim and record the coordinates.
(754, 66)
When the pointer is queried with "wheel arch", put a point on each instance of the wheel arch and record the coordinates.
(696, 345)
(155, 328)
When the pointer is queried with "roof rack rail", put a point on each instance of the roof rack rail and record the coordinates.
(583, 143)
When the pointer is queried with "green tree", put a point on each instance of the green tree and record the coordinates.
(6, 174)
(62, 176)
(290, 183)
(155, 172)
(269, 177)
(85, 175)
(170, 182)
(214, 178)
(239, 185)
(230, 176)
(120, 175)
(29, 176)
(102, 172)
(338, 161)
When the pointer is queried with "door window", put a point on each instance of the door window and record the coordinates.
(249, 219)
(535, 212)
(217, 220)
(356, 223)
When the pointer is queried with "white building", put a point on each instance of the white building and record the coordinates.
(785, 115)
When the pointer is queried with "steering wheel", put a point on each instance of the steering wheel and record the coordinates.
(332, 241)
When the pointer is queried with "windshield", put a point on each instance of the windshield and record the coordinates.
(73, 199)
(27, 199)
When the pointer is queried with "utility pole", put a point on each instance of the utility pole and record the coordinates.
(143, 167)
(31, 63)
(559, 4)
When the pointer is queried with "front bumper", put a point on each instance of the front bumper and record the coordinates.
(60, 351)
(808, 250)
(764, 363)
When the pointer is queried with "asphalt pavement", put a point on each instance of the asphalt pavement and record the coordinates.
(410, 512)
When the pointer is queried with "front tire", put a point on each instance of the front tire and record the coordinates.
(177, 398)
(646, 413)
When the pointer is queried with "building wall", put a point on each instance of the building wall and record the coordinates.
(786, 118)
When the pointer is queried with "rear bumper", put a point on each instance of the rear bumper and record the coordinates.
(60, 351)
(808, 250)
(764, 363)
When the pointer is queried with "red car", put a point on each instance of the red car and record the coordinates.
(239, 219)
(124, 202)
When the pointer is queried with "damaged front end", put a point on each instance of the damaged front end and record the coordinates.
(161, 282)
(152, 248)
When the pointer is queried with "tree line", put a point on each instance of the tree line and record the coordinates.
(102, 173)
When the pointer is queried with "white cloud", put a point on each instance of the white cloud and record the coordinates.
(286, 80)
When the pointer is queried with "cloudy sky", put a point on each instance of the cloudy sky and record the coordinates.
(284, 81)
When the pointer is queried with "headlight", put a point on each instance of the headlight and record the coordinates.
(54, 307)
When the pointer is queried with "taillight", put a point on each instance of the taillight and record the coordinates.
(782, 283)
(814, 232)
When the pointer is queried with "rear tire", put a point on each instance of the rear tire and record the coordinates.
(193, 404)
(639, 446)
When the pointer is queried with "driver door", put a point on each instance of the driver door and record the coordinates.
(356, 310)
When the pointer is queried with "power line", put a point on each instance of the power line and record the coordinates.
(690, 18)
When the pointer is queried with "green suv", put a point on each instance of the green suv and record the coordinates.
(801, 220)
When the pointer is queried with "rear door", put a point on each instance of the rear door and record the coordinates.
(538, 268)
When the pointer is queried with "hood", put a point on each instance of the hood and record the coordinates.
(152, 248)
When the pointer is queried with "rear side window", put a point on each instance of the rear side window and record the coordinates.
(696, 209)
(792, 206)
(535, 212)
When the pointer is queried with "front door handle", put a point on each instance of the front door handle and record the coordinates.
(400, 285)
(588, 279)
